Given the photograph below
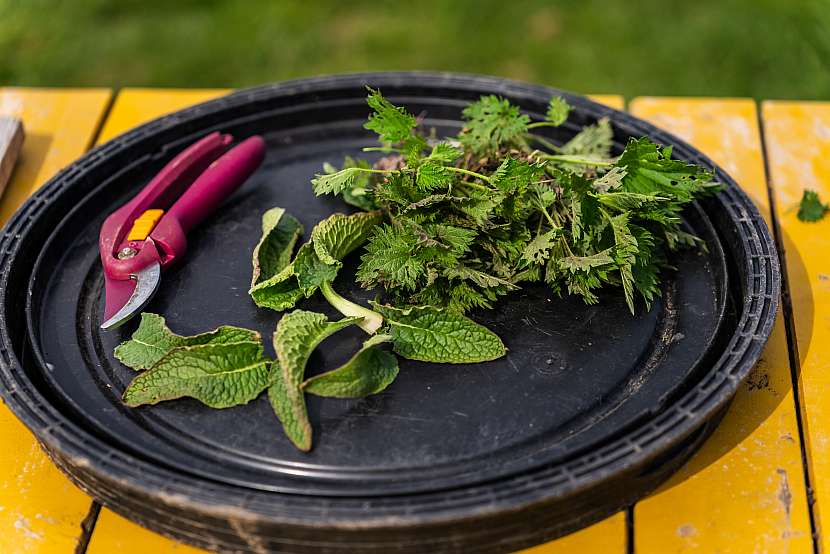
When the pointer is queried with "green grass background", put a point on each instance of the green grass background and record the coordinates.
(759, 48)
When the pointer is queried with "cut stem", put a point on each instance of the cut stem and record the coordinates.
(570, 159)
(371, 321)
(484, 178)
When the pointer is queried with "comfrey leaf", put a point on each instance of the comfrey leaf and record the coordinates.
(298, 334)
(317, 261)
(369, 371)
(338, 235)
(272, 253)
(219, 375)
(811, 209)
(430, 334)
(153, 340)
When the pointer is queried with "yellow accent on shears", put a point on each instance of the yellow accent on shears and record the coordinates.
(144, 224)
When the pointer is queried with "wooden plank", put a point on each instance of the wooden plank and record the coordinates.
(134, 106)
(117, 534)
(606, 537)
(744, 490)
(40, 510)
(615, 101)
(11, 140)
(798, 153)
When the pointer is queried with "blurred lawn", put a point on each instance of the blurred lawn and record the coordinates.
(760, 48)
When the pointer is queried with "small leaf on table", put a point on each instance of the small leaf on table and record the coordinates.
(430, 334)
(153, 340)
(369, 371)
(298, 334)
(219, 375)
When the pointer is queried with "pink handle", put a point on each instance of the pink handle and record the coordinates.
(221, 179)
(160, 192)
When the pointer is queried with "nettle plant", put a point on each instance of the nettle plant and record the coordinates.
(446, 226)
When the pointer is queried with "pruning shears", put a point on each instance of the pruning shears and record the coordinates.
(148, 233)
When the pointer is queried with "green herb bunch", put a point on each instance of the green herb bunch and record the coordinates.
(468, 219)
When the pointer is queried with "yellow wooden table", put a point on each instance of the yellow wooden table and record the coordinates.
(759, 484)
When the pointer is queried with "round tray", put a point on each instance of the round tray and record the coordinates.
(591, 408)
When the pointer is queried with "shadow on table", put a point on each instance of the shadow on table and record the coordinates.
(768, 384)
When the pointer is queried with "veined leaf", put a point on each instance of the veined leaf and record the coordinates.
(335, 183)
(558, 110)
(219, 375)
(445, 153)
(369, 371)
(811, 208)
(432, 175)
(593, 141)
(153, 340)
(584, 263)
(338, 235)
(272, 253)
(298, 334)
(430, 334)
(492, 122)
(391, 123)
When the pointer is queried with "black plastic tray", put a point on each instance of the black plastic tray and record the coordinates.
(591, 409)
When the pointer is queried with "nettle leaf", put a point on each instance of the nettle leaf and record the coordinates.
(153, 340)
(480, 278)
(336, 183)
(627, 201)
(811, 209)
(558, 110)
(359, 193)
(445, 153)
(339, 234)
(593, 141)
(298, 334)
(430, 334)
(389, 259)
(584, 263)
(391, 123)
(219, 375)
(611, 180)
(431, 175)
(369, 371)
(272, 253)
(651, 171)
(492, 122)
(514, 176)
(456, 239)
(538, 250)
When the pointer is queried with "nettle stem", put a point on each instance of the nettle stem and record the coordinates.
(484, 178)
(570, 159)
(372, 320)
(381, 149)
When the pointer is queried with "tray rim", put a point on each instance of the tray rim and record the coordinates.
(73, 443)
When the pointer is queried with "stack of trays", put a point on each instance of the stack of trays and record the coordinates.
(591, 409)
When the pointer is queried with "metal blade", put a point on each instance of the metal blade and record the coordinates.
(146, 282)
